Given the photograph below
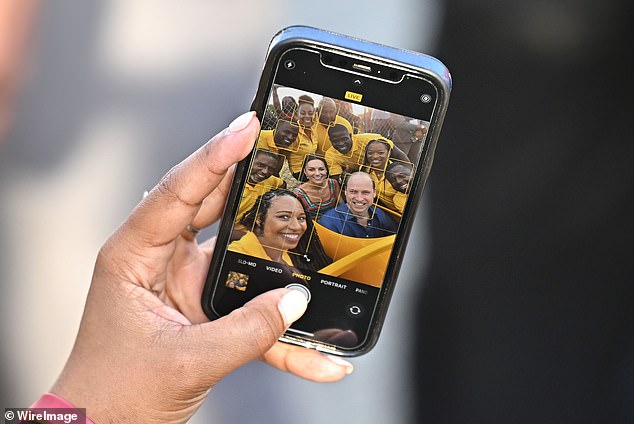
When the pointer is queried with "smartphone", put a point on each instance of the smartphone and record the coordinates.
(325, 201)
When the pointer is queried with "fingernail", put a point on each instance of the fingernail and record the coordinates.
(241, 122)
(342, 362)
(292, 306)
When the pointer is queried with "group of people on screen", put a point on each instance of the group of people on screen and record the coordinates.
(315, 170)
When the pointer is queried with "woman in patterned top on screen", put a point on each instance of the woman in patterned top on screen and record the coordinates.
(318, 192)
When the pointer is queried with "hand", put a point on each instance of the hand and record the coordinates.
(144, 352)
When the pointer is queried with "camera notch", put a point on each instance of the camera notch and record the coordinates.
(353, 64)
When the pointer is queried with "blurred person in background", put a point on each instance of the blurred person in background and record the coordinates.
(16, 30)
(279, 110)
(409, 135)
(527, 312)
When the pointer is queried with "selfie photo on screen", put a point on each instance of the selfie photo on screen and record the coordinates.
(346, 186)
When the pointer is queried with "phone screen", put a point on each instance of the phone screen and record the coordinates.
(326, 193)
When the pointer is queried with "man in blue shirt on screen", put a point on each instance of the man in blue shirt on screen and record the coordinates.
(358, 216)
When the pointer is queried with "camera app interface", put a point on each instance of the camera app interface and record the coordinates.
(320, 209)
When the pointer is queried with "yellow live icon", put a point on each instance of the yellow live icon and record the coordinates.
(356, 97)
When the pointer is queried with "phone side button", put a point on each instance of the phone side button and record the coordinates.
(300, 288)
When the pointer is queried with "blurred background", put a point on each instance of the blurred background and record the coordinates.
(516, 302)
(106, 97)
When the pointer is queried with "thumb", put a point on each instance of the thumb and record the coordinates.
(247, 332)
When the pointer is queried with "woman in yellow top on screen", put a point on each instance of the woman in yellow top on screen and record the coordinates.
(306, 143)
(377, 158)
(281, 231)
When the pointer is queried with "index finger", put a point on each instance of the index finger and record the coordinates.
(174, 202)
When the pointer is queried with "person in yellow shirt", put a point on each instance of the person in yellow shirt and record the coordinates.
(328, 117)
(292, 140)
(347, 153)
(399, 176)
(306, 143)
(282, 137)
(376, 159)
(280, 230)
(263, 176)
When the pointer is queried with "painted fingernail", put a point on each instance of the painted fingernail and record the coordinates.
(342, 362)
(292, 306)
(241, 122)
